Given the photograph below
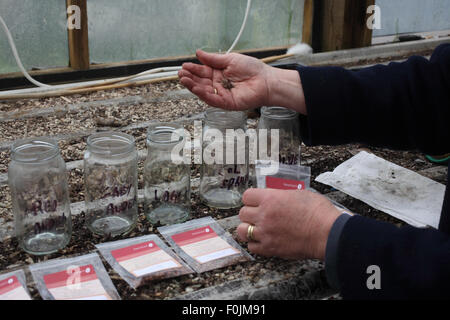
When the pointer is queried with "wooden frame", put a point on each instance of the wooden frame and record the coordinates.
(327, 25)
(341, 24)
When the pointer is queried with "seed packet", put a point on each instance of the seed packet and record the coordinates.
(288, 177)
(79, 278)
(13, 286)
(204, 244)
(143, 259)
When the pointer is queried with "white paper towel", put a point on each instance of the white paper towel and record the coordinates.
(397, 191)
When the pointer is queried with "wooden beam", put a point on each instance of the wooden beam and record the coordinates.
(308, 17)
(78, 38)
(343, 24)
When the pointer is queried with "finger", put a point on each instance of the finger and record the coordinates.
(242, 232)
(198, 70)
(252, 197)
(187, 82)
(249, 214)
(208, 95)
(214, 60)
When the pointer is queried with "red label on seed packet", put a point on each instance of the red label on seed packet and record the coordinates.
(134, 251)
(195, 235)
(144, 258)
(284, 184)
(76, 283)
(70, 276)
(9, 284)
(204, 245)
(12, 289)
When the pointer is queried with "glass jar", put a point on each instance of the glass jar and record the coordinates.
(287, 121)
(40, 196)
(224, 177)
(111, 183)
(167, 183)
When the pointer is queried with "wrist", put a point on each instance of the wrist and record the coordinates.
(325, 229)
(286, 90)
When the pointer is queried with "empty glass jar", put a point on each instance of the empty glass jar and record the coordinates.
(40, 196)
(224, 177)
(167, 183)
(287, 121)
(111, 183)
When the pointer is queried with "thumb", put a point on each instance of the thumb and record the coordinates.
(214, 60)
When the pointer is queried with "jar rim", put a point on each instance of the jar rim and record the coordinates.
(34, 149)
(165, 133)
(225, 118)
(275, 112)
(111, 143)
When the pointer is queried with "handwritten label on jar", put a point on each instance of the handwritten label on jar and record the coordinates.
(116, 192)
(234, 181)
(290, 159)
(144, 258)
(12, 289)
(76, 283)
(170, 196)
(41, 207)
(204, 245)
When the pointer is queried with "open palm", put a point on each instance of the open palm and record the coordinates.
(231, 81)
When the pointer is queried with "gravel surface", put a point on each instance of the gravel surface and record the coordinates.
(99, 118)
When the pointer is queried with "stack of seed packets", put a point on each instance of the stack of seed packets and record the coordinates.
(13, 286)
(143, 259)
(204, 244)
(79, 278)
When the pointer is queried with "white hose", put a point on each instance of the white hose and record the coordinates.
(244, 23)
(16, 55)
(154, 72)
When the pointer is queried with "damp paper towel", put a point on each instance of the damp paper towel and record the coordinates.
(385, 186)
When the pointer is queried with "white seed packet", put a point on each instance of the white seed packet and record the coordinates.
(288, 177)
(143, 259)
(79, 278)
(13, 286)
(204, 244)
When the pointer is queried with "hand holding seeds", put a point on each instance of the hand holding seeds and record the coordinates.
(287, 224)
(239, 82)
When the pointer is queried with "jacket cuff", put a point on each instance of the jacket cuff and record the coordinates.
(332, 250)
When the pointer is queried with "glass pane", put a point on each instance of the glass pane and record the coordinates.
(407, 16)
(144, 29)
(39, 31)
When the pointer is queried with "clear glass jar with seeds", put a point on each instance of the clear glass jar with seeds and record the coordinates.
(224, 171)
(111, 183)
(167, 182)
(40, 196)
(287, 121)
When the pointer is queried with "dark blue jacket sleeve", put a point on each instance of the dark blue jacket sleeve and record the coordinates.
(414, 263)
(401, 106)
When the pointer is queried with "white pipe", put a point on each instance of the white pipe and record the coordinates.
(154, 73)
(244, 23)
(16, 56)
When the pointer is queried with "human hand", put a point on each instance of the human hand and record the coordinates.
(240, 81)
(290, 224)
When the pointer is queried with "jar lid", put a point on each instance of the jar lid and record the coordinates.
(111, 143)
(224, 118)
(278, 113)
(34, 150)
(165, 133)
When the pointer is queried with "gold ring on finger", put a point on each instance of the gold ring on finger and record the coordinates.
(250, 233)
